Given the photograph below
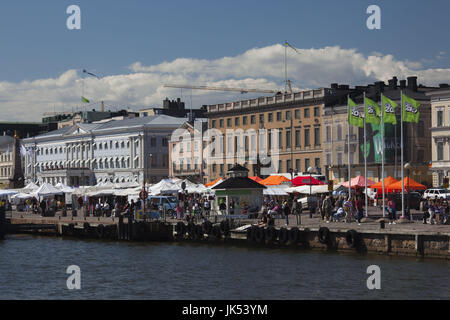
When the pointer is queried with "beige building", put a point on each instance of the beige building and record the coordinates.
(274, 134)
(416, 146)
(186, 146)
(6, 160)
(440, 134)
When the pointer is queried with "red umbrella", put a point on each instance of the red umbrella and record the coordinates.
(305, 181)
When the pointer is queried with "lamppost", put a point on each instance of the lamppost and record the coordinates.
(408, 168)
(310, 170)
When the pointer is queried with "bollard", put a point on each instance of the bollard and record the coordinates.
(382, 223)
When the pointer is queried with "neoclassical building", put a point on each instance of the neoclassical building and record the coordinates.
(129, 150)
(6, 159)
(440, 134)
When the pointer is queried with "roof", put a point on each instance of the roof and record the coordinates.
(239, 183)
(152, 121)
(238, 168)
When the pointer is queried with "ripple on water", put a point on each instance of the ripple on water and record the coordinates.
(35, 268)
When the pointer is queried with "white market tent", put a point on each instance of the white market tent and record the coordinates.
(22, 196)
(164, 186)
(5, 193)
(306, 189)
(46, 190)
(30, 187)
(64, 188)
(279, 190)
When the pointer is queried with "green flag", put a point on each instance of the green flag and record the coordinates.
(389, 110)
(410, 109)
(83, 99)
(372, 111)
(354, 117)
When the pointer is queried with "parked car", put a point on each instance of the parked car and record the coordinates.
(436, 193)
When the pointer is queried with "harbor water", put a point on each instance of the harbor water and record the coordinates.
(35, 268)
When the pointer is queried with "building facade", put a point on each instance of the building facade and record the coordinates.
(130, 150)
(186, 152)
(276, 134)
(416, 146)
(6, 159)
(440, 134)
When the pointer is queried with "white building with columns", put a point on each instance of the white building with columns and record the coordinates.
(129, 150)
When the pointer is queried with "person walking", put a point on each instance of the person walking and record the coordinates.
(392, 213)
(327, 208)
(286, 211)
(359, 208)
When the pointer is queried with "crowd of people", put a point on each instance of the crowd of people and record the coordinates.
(435, 211)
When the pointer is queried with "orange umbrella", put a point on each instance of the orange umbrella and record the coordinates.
(256, 178)
(413, 185)
(358, 182)
(209, 184)
(387, 183)
(274, 180)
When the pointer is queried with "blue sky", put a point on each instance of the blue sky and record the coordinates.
(137, 46)
(114, 34)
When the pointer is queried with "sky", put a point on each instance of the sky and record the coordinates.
(136, 47)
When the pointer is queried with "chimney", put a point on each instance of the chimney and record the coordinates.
(412, 83)
(402, 84)
(102, 107)
(393, 83)
(379, 86)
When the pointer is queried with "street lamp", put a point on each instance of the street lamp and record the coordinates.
(408, 168)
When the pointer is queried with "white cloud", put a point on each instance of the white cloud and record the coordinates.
(256, 68)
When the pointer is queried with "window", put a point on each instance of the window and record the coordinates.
(280, 166)
(339, 132)
(237, 121)
(261, 118)
(288, 115)
(221, 169)
(316, 111)
(306, 113)
(297, 138)
(214, 167)
(307, 143)
(253, 119)
(317, 162)
(288, 138)
(229, 122)
(165, 142)
(328, 133)
(244, 120)
(297, 114)
(280, 139)
(221, 123)
(440, 151)
(213, 123)
(278, 116)
(328, 159)
(440, 118)
(317, 136)
(297, 164)
(270, 117)
(288, 165)
(307, 163)
(153, 141)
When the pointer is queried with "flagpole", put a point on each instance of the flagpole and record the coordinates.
(382, 152)
(401, 146)
(365, 152)
(348, 147)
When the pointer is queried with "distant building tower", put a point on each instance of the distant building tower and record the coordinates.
(16, 179)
